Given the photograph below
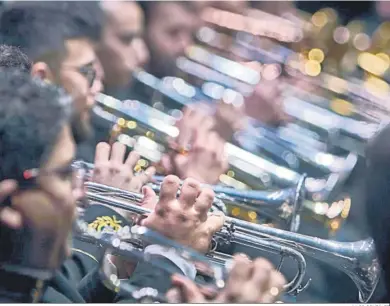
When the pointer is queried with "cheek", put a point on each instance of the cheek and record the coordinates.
(78, 89)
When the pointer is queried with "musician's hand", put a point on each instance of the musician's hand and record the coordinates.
(8, 216)
(249, 282)
(112, 168)
(206, 160)
(265, 104)
(229, 118)
(185, 219)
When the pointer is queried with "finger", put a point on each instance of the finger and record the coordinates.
(118, 151)
(174, 296)
(258, 283)
(190, 291)
(6, 188)
(141, 179)
(213, 143)
(150, 198)
(221, 150)
(189, 192)
(275, 288)
(169, 188)
(132, 160)
(11, 218)
(206, 124)
(102, 153)
(261, 271)
(215, 222)
(240, 272)
(204, 201)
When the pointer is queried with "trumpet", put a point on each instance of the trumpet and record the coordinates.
(129, 244)
(201, 61)
(282, 206)
(358, 259)
(145, 120)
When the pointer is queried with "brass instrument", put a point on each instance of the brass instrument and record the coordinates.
(357, 260)
(144, 120)
(281, 206)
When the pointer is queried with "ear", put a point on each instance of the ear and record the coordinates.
(42, 71)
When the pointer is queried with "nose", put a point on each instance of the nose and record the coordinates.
(141, 52)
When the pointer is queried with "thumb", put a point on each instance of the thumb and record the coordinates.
(215, 222)
(150, 198)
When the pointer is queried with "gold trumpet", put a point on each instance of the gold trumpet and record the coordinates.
(358, 259)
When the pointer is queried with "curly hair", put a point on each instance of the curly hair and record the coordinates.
(32, 114)
(13, 57)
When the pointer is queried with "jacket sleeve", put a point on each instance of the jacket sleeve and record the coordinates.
(17, 288)
(146, 275)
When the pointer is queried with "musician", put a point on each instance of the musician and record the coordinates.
(169, 30)
(38, 156)
(36, 151)
(62, 53)
(121, 49)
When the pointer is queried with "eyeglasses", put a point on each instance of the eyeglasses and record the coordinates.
(69, 172)
(88, 71)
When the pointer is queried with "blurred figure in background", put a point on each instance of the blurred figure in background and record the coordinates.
(169, 30)
(62, 54)
(121, 49)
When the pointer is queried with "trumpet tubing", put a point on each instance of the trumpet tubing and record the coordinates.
(282, 206)
(358, 259)
(144, 120)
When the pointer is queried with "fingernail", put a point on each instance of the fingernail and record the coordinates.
(243, 256)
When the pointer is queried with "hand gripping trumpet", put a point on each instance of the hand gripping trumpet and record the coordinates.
(129, 243)
(358, 259)
(281, 206)
(142, 119)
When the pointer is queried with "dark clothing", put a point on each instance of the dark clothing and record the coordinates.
(78, 280)
(89, 290)
(378, 198)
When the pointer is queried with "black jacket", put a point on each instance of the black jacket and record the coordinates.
(78, 280)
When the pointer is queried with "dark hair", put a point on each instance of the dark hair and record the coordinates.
(32, 114)
(378, 198)
(40, 29)
(150, 6)
(12, 57)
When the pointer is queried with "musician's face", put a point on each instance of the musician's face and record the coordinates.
(59, 186)
(122, 49)
(49, 208)
(169, 32)
(81, 76)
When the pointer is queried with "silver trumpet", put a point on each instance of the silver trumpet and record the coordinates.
(281, 206)
(358, 259)
(142, 119)
(129, 243)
